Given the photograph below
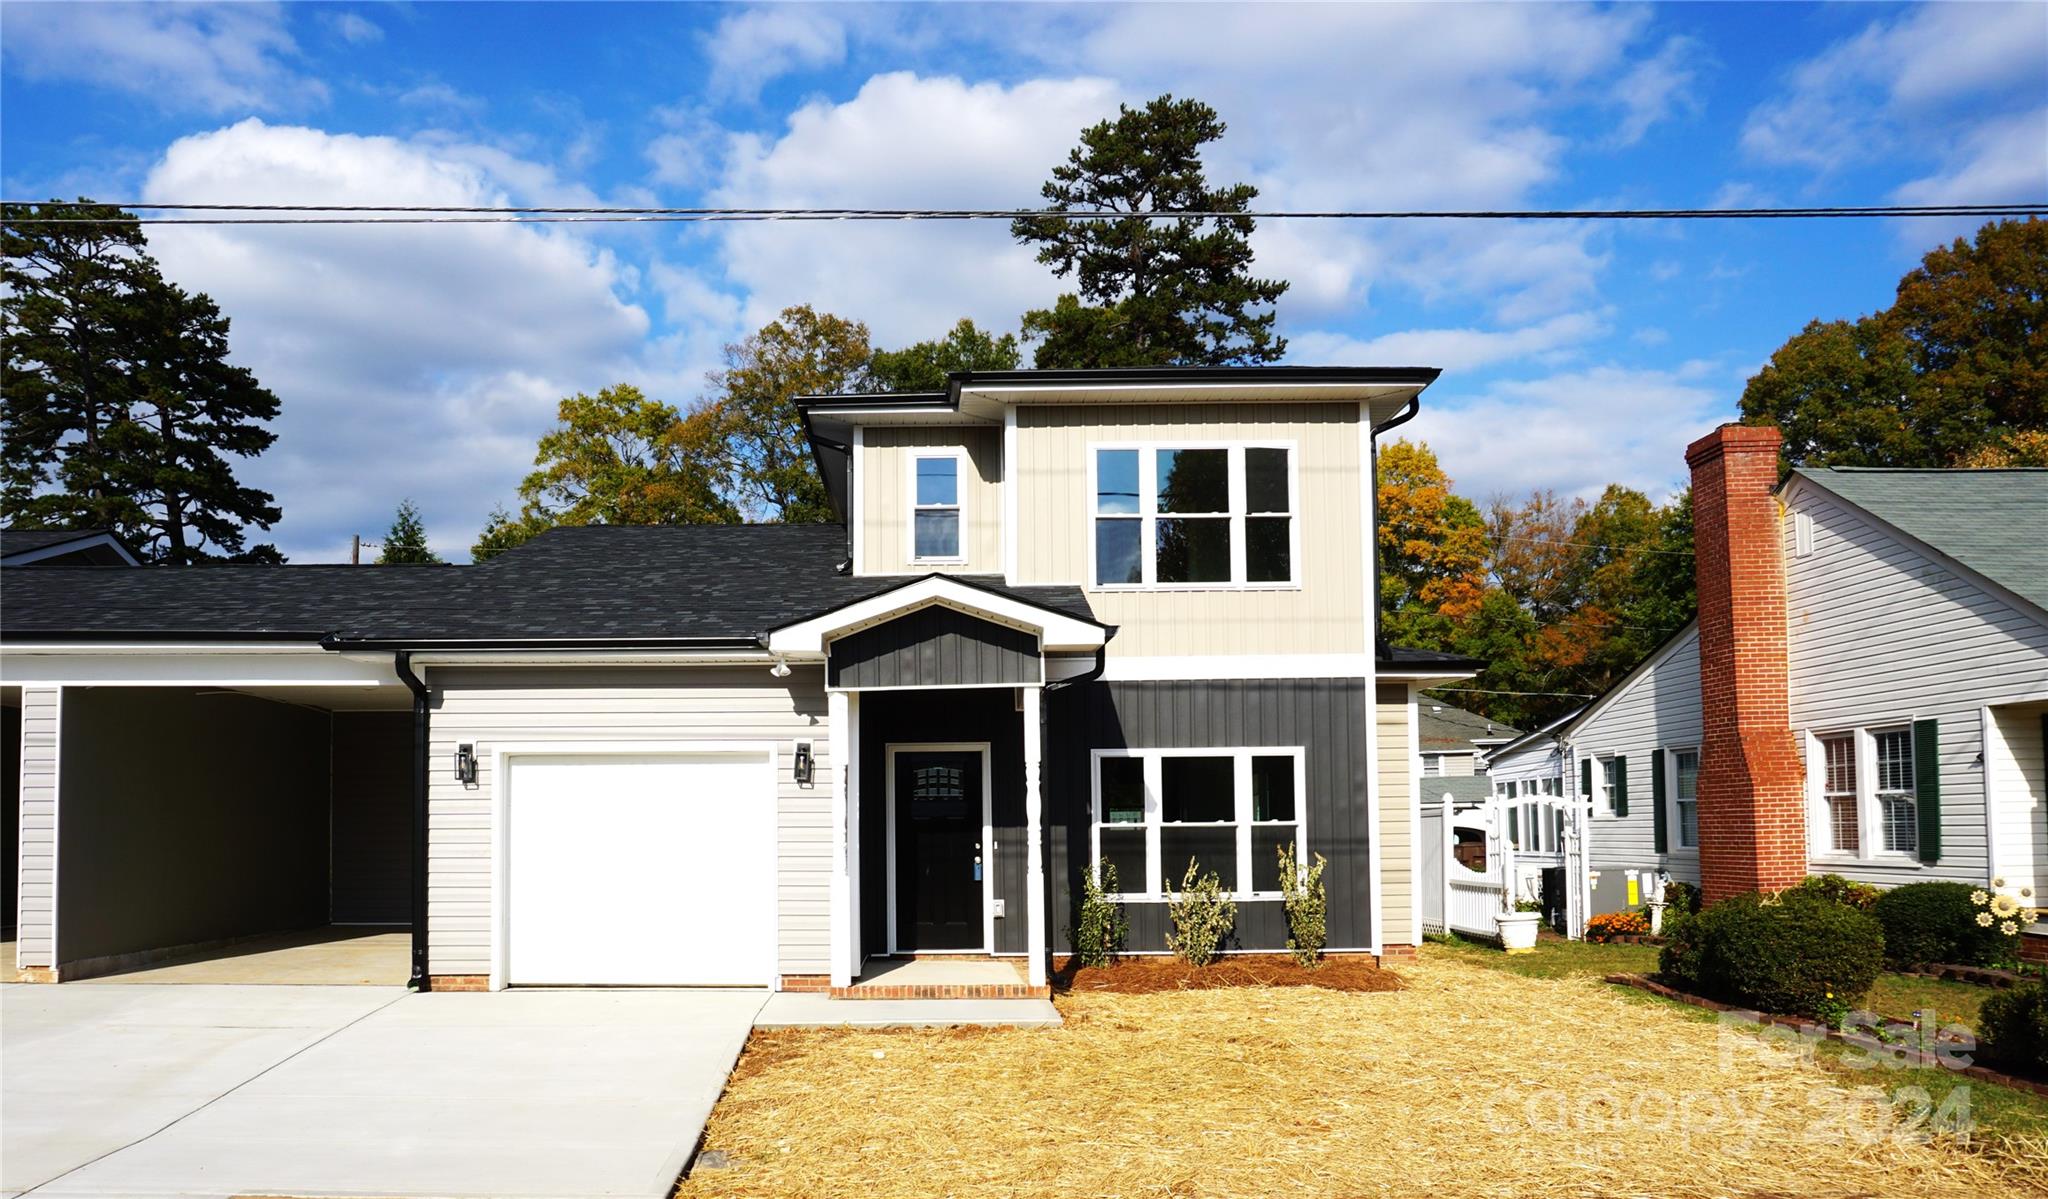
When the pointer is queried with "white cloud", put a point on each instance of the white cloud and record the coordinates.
(1896, 86)
(751, 47)
(211, 58)
(1451, 349)
(416, 361)
(903, 141)
(1655, 88)
(2003, 159)
(354, 28)
(1574, 432)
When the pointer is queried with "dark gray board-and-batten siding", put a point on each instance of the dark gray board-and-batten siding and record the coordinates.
(935, 647)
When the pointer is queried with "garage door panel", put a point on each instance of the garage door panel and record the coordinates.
(640, 870)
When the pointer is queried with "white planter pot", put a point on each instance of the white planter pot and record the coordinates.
(1518, 931)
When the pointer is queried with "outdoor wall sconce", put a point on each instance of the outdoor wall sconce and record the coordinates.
(804, 764)
(465, 764)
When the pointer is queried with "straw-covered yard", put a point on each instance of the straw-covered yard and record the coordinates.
(1469, 1081)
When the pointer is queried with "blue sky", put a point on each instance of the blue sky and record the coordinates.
(425, 362)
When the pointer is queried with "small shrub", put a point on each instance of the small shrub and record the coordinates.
(1301, 894)
(1201, 913)
(1528, 905)
(1680, 899)
(1609, 925)
(2012, 1030)
(1937, 922)
(1099, 925)
(1792, 953)
(1836, 889)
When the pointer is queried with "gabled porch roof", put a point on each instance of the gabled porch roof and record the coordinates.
(1050, 615)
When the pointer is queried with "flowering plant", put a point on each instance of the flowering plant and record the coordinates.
(1609, 925)
(2008, 912)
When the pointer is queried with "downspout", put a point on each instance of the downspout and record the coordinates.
(402, 663)
(1381, 646)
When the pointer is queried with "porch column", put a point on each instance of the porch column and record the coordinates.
(839, 716)
(1034, 836)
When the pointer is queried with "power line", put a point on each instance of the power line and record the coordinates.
(421, 214)
(1484, 691)
(1596, 545)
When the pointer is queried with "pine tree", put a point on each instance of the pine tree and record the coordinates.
(406, 543)
(1151, 291)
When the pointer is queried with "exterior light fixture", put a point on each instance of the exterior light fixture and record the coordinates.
(804, 762)
(780, 670)
(465, 763)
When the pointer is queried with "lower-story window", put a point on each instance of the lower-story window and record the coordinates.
(1227, 810)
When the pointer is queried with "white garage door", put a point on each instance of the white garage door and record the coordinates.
(640, 870)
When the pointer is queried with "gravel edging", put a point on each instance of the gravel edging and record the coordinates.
(1862, 1041)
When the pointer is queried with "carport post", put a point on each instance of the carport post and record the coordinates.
(402, 662)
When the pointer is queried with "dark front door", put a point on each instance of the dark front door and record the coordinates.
(938, 851)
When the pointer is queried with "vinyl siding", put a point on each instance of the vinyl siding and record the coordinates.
(1323, 615)
(2018, 770)
(1883, 632)
(1658, 709)
(36, 927)
(1398, 812)
(886, 481)
(511, 705)
(1540, 759)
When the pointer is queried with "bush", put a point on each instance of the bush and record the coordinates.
(1201, 913)
(1794, 954)
(1609, 925)
(1836, 889)
(1937, 922)
(1099, 925)
(1301, 894)
(1680, 899)
(2012, 1030)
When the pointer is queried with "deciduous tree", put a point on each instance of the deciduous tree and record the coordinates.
(925, 365)
(766, 465)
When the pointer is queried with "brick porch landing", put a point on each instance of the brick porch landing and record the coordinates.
(941, 978)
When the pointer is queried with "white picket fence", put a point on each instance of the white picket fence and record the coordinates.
(1459, 898)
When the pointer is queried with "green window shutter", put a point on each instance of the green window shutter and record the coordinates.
(1927, 785)
(1621, 785)
(1659, 838)
(1586, 777)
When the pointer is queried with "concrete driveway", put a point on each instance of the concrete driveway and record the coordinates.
(330, 1091)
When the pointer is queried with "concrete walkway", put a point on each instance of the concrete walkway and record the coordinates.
(231, 1090)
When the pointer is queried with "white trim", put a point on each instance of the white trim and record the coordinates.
(1237, 666)
(987, 854)
(1368, 544)
(56, 834)
(74, 546)
(851, 765)
(1414, 818)
(845, 965)
(1010, 496)
(957, 455)
(1674, 821)
(856, 506)
(1235, 513)
(1056, 630)
(1037, 944)
(501, 795)
(1985, 727)
(196, 668)
(1154, 808)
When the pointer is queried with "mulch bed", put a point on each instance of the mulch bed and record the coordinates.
(1153, 975)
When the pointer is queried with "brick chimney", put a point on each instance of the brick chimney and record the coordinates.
(1752, 809)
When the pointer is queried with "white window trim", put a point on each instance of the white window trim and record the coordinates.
(1148, 486)
(958, 456)
(1674, 826)
(1242, 756)
(1869, 809)
(1603, 795)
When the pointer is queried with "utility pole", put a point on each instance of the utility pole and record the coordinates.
(355, 549)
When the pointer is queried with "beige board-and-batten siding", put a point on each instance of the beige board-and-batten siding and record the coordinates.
(1321, 616)
(887, 483)
(1397, 815)
(36, 915)
(1884, 633)
(528, 706)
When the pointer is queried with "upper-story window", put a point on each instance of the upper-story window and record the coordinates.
(1194, 516)
(935, 508)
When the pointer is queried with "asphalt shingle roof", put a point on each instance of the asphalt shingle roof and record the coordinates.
(601, 582)
(1444, 727)
(1989, 520)
(22, 541)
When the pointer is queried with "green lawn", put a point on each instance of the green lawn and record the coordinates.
(1998, 1111)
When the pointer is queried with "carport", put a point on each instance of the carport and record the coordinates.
(231, 814)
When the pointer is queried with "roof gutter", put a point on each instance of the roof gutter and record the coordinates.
(534, 644)
(402, 663)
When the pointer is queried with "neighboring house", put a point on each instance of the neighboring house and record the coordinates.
(58, 547)
(1070, 615)
(1456, 742)
(1530, 764)
(1865, 691)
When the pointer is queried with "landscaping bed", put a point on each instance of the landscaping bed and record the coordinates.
(1152, 975)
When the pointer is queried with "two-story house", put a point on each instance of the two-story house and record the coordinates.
(1070, 617)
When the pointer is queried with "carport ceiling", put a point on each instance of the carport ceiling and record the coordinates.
(338, 699)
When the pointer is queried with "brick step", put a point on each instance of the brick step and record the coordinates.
(945, 991)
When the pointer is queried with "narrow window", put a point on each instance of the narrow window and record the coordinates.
(1607, 777)
(1838, 792)
(1268, 521)
(1193, 529)
(935, 513)
(1685, 793)
(1897, 801)
(1119, 529)
(1121, 822)
(1275, 817)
